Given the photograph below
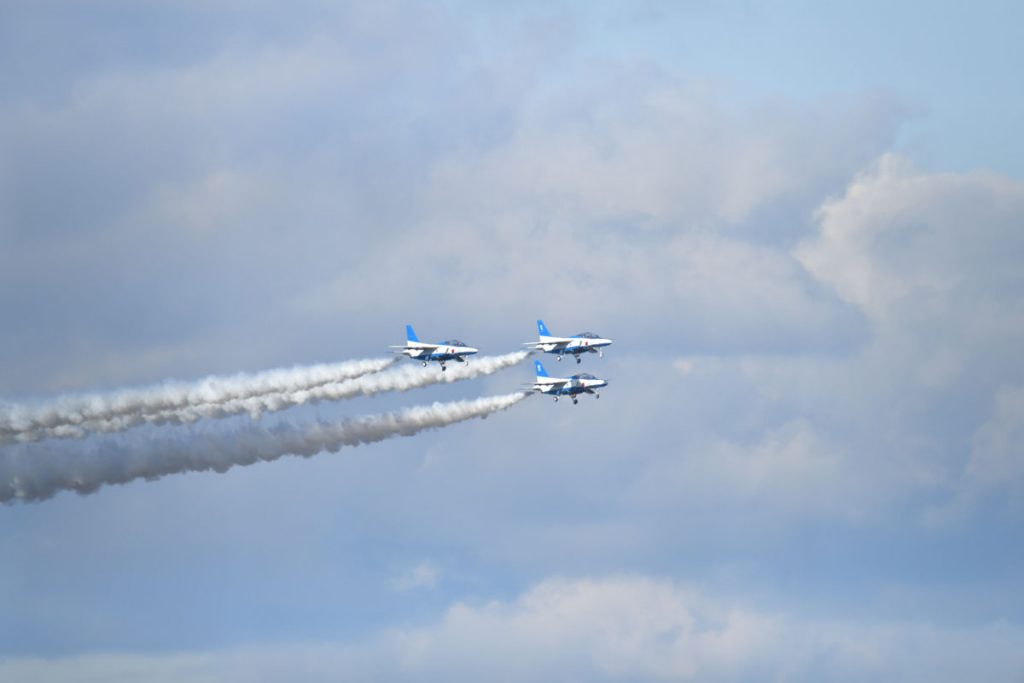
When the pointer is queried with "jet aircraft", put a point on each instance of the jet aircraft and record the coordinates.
(584, 342)
(583, 383)
(451, 349)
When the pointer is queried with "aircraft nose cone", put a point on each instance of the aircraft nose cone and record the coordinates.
(471, 350)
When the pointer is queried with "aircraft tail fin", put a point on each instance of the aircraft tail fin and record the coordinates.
(542, 329)
(541, 372)
(410, 334)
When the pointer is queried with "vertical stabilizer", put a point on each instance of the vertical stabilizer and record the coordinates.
(541, 372)
(542, 329)
(410, 334)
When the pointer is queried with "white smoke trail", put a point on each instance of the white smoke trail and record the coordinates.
(77, 415)
(33, 472)
(398, 379)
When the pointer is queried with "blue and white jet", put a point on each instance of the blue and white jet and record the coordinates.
(584, 342)
(442, 352)
(583, 383)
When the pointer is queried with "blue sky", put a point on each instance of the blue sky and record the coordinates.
(801, 224)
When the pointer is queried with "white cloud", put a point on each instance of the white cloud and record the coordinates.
(903, 414)
(787, 471)
(997, 458)
(616, 628)
(686, 366)
(637, 146)
(631, 198)
(901, 236)
(224, 209)
(934, 261)
(424, 574)
(996, 464)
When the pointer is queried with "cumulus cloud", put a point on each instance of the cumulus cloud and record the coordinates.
(422, 575)
(601, 197)
(997, 457)
(275, 164)
(791, 470)
(995, 468)
(933, 261)
(216, 211)
(917, 407)
(414, 164)
(901, 237)
(606, 629)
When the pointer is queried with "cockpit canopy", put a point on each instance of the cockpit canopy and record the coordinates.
(584, 375)
(588, 335)
(453, 342)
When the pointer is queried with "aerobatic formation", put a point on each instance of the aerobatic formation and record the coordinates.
(30, 470)
(581, 383)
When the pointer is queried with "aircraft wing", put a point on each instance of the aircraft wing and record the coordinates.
(556, 344)
(418, 347)
(553, 385)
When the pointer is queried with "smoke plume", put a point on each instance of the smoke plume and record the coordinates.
(36, 472)
(72, 415)
(215, 398)
(225, 397)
